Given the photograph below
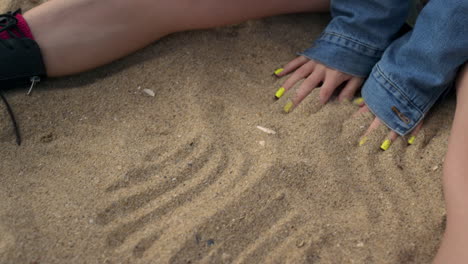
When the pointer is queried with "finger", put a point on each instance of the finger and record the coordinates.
(362, 110)
(308, 86)
(414, 133)
(332, 81)
(375, 124)
(350, 89)
(301, 73)
(291, 66)
(392, 136)
(359, 102)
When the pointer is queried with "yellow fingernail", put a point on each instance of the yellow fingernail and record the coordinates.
(363, 141)
(280, 92)
(289, 105)
(411, 140)
(278, 71)
(358, 101)
(386, 144)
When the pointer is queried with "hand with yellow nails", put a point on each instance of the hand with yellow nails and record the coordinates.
(314, 73)
(391, 137)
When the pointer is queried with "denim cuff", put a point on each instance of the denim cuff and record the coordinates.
(390, 104)
(343, 53)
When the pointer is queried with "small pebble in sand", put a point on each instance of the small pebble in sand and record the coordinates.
(436, 167)
(149, 92)
(300, 243)
(210, 242)
(281, 197)
(262, 143)
(267, 130)
(360, 244)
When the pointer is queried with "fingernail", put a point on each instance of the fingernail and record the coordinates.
(358, 101)
(280, 93)
(289, 105)
(279, 71)
(363, 141)
(386, 145)
(411, 140)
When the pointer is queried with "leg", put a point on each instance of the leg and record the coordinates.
(77, 35)
(455, 241)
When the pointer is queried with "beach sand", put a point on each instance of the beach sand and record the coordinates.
(108, 174)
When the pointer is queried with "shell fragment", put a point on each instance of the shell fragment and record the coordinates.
(149, 92)
(267, 130)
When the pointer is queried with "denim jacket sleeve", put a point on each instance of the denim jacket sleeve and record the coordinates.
(420, 66)
(358, 34)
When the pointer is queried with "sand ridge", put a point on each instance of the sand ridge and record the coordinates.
(108, 174)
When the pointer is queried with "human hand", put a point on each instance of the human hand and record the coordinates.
(392, 135)
(315, 74)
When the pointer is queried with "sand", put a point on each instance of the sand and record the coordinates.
(108, 174)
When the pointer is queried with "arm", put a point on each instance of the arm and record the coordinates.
(455, 241)
(420, 66)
